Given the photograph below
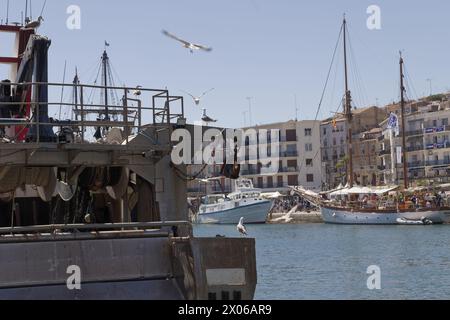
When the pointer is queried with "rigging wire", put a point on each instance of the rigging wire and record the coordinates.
(62, 88)
(360, 86)
(324, 88)
(410, 83)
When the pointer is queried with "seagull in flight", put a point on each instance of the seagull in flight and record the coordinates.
(34, 24)
(206, 118)
(187, 44)
(241, 228)
(198, 99)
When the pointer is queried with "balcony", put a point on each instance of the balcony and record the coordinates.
(250, 172)
(286, 139)
(433, 163)
(288, 169)
(287, 154)
(439, 129)
(415, 148)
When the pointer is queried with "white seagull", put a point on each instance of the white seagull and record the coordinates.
(206, 118)
(187, 44)
(34, 24)
(241, 228)
(198, 99)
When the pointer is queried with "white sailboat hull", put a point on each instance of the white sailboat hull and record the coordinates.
(252, 213)
(345, 216)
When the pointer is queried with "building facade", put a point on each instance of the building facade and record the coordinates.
(334, 147)
(427, 134)
(298, 157)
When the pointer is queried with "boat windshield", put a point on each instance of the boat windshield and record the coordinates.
(213, 199)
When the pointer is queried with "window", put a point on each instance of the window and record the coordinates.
(309, 162)
(445, 122)
(308, 147)
(292, 164)
(280, 181)
(260, 182)
(291, 135)
(309, 178)
(269, 182)
(324, 131)
(293, 180)
(308, 132)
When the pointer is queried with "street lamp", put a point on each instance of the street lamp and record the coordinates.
(250, 109)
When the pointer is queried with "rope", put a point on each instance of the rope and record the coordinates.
(324, 90)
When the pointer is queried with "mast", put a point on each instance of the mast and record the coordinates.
(348, 112)
(105, 79)
(402, 105)
(76, 82)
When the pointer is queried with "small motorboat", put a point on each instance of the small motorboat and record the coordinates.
(423, 221)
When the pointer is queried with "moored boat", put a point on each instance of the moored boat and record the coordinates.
(245, 201)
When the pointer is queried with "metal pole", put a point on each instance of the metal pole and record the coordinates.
(105, 79)
(82, 112)
(348, 112)
(393, 161)
(250, 110)
(402, 103)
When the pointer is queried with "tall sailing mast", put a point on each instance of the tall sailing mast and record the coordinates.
(402, 106)
(348, 112)
(105, 60)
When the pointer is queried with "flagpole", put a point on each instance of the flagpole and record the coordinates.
(393, 162)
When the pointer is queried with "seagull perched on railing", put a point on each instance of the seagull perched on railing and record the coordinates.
(33, 25)
(241, 228)
(137, 91)
(206, 118)
(198, 99)
(187, 44)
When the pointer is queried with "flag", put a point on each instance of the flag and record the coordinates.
(106, 44)
(393, 123)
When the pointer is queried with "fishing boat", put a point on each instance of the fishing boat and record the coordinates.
(91, 205)
(245, 202)
(352, 211)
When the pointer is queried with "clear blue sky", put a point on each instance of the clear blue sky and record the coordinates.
(269, 50)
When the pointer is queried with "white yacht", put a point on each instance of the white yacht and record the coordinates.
(246, 201)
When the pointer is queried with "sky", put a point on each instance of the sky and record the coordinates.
(277, 52)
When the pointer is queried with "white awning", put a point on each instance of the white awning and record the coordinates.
(363, 190)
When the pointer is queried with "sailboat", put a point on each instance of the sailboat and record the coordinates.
(352, 212)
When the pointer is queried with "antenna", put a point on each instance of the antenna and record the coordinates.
(43, 7)
(26, 11)
(250, 110)
(296, 108)
(7, 11)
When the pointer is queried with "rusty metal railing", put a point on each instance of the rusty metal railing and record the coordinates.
(136, 109)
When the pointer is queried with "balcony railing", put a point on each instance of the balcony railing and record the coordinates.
(286, 154)
(420, 164)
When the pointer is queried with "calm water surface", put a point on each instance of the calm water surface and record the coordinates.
(320, 261)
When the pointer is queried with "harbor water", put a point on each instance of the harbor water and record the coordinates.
(321, 261)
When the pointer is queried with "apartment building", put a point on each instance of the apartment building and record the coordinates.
(333, 136)
(427, 134)
(299, 156)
